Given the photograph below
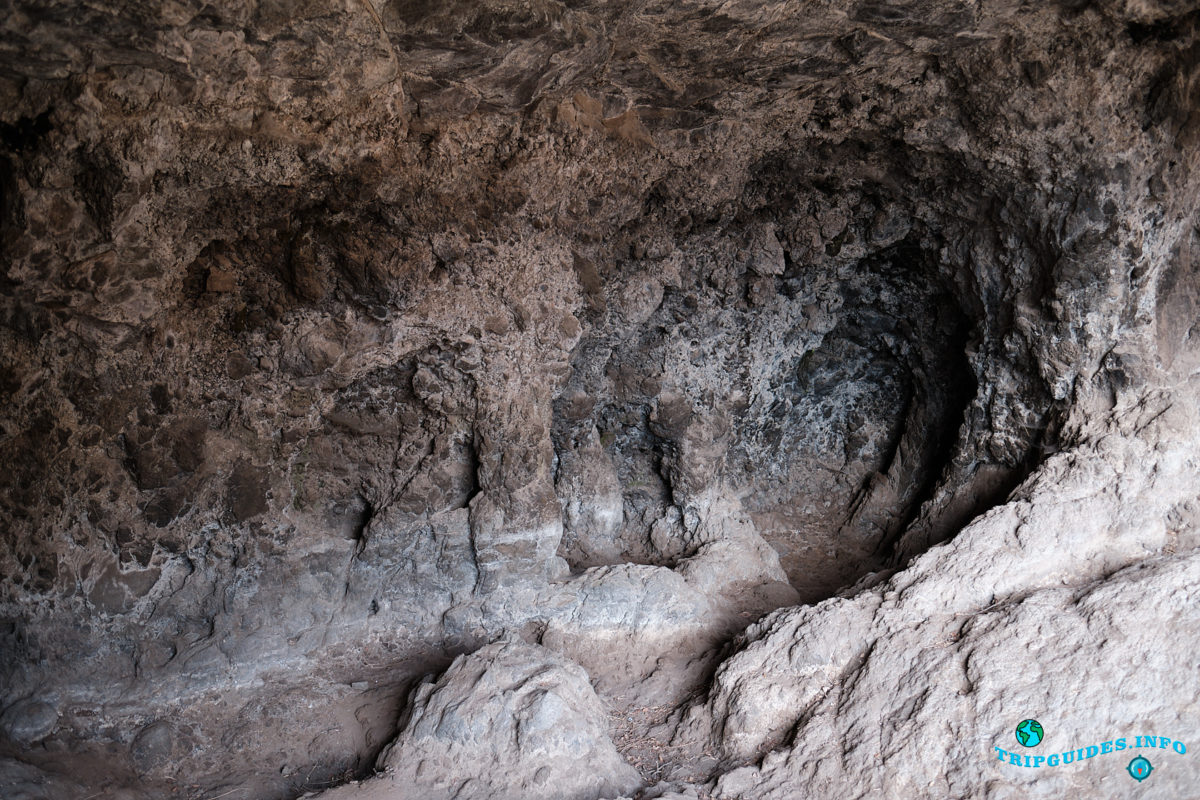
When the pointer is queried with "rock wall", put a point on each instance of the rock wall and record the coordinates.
(341, 341)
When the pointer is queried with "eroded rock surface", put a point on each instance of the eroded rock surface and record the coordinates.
(1041, 605)
(508, 721)
(340, 341)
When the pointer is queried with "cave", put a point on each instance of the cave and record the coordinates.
(582, 401)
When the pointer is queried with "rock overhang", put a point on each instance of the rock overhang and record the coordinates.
(322, 328)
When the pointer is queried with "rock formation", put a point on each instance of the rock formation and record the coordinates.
(576, 399)
(523, 722)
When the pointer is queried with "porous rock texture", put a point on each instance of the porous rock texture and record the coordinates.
(817, 377)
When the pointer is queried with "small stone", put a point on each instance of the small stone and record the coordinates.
(237, 366)
(29, 721)
(152, 746)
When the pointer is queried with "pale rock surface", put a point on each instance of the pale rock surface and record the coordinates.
(1072, 604)
(511, 721)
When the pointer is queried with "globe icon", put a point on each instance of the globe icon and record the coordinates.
(1030, 733)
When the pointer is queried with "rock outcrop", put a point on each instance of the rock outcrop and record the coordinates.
(508, 721)
(818, 377)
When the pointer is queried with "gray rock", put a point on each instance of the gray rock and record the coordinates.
(29, 721)
(151, 747)
(1040, 609)
(338, 339)
(508, 721)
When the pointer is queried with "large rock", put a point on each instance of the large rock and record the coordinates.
(1069, 605)
(509, 722)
